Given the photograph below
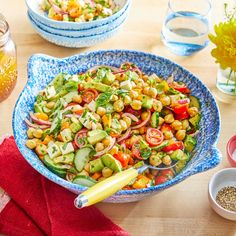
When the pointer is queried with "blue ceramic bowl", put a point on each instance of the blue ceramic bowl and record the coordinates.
(40, 16)
(75, 42)
(42, 69)
(81, 33)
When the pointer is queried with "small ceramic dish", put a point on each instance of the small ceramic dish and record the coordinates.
(221, 179)
(34, 8)
(231, 146)
(80, 33)
(75, 42)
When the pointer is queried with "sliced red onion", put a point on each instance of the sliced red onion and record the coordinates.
(113, 141)
(83, 132)
(184, 101)
(170, 80)
(91, 2)
(120, 71)
(57, 9)
(131, 116)
(95, 68)
(69, 108)
(195, 133)
(38, 121)
(72, 115)
(124, 136)
(143, 123)
(29, 124)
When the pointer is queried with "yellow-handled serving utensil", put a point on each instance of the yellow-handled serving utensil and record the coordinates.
(111, 185)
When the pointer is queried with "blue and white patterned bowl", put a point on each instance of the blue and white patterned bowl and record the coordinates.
(42, 69)
(75, 42)
(41, 16)
(81, 33)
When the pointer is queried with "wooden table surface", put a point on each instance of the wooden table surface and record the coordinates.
(183, 209)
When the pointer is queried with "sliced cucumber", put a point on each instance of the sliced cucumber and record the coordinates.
(155, 119)
(82, 158)
(194, 102)
(84, 181)
(195, 121)
(46, 110)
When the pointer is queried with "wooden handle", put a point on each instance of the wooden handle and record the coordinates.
(105, 188)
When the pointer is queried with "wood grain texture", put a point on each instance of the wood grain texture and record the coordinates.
(182, 209)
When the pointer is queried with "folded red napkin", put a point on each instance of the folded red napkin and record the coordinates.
(40, 207)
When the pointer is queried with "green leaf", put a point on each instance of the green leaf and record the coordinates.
(103, 99)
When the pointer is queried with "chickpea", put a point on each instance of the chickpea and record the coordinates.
(185, 124)
(169, 118)
(89, 16)
(142, 130)
(180, 135)
(97, 116)
(50, 105)
(31, 144)
(116, 116)
(41, 149)
(116, 83)
(146, 90)
(101, 111)
(127, 100)
(99, 7)
(38, 133)
(144, 115)
(145, 77)
(123, 125)
(174, 99)
(99, 147)
(107, 172)
(118, 105)
(176, 125)
(192, 111)
(77, 98)
(161, 120)
(106, 141)
(87, 167)
(133, 140)
(139, 85)
(155, 160)
(30, 132)
(136, 104)
(157, 105)
(165, 100)
(114, 97)
(166, 160)
(168, 135)
(114, 150)
(133, 94)
(152, 92)
(127, 121)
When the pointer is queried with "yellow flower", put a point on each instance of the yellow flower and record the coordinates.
(225, 41)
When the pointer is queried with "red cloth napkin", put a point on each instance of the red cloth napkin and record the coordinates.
(40, 207)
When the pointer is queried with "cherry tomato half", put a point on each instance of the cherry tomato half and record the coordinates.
(136, 151)
(182, 116)
(180, 109)
(122, 158)
(173, 146)
(89, 95)
(161, 179)
(154, 136)
(167, 173)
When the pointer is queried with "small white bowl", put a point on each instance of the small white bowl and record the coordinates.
(221, 179)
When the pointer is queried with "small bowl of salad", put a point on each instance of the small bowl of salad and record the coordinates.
(76, 15)
(93, 115)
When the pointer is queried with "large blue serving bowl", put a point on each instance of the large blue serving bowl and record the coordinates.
(42, 69)
(38, 14)
(82, 33)
(76, 42)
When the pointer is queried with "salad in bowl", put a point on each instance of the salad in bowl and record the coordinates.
(78, 10)
(88, 126)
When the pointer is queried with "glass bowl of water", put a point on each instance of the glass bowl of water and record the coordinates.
(186, 26)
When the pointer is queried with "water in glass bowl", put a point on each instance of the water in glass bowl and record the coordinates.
(185, 32)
